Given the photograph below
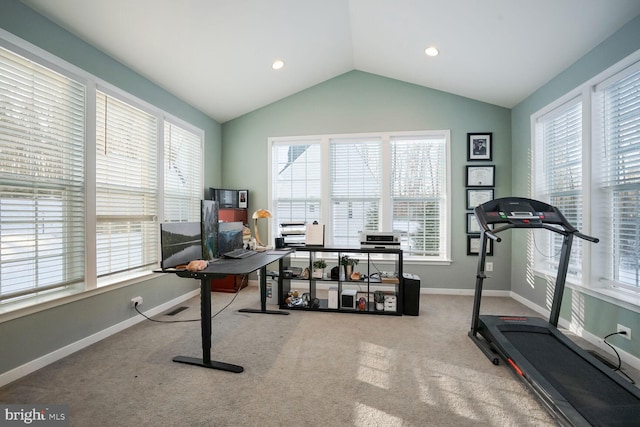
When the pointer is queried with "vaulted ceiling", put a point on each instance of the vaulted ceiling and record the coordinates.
(217, 54)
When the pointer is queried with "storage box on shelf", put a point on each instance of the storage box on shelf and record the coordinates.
(373, 284)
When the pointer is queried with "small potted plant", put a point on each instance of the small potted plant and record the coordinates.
(378, 297)
(348, 264)
(318, 268)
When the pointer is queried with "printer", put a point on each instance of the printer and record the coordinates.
(379, 240)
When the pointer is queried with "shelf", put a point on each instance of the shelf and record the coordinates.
(346, 294)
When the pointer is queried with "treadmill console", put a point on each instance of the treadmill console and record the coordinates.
(518, 212)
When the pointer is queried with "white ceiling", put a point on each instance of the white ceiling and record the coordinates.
(217, 54)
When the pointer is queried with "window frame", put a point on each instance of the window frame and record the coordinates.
(45, 299)
(325, 141)
(592, 281)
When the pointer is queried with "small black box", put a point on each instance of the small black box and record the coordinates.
(411, 294)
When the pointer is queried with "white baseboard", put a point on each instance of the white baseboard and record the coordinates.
(463, 292)
(65, 351)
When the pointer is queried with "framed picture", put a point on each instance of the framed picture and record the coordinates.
(473, 246)
(477, 196)
(480, 176)
(479, 146)
(472, 224)
(243, 199)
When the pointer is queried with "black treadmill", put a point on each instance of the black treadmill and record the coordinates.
(576, 388)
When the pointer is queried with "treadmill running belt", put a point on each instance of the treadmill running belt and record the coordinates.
(599, 400)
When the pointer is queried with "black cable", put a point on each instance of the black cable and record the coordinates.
(616, 352)
(189, 320)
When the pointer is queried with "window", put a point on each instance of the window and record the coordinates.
(182, 173)
(42, 188)
(592, 173)
(558, 164)
(126, 193)
(375, 182)
(81, 208)
(617, 119)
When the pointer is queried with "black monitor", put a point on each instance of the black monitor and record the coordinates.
(209, 224)
(181, 243)
(230, 236)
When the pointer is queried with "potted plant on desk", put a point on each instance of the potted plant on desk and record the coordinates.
(348, 264)
(318, 268)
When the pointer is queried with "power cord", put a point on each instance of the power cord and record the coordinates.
(188, 320)
(617, 368)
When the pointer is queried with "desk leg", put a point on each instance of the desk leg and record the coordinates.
(263, 297)
(205, 314)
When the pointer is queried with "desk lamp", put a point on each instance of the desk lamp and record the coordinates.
(260, 213)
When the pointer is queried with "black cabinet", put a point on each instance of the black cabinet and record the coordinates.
(374, 285)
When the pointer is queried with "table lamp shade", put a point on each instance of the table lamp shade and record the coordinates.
(260, 213)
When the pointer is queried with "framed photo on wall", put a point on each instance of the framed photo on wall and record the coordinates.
(472, 224)
(473, 246)
(478, 196)
(480, 176)
(243, 199)
(479, 146)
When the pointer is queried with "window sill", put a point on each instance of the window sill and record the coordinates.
(37, 303)
(626, 300)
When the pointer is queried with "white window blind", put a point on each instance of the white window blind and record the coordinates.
(418, 192)
(559, 180)
(296, 188)
(126, 188)
(183, 174)
(41, 178)
(617, 110)
(356, 181)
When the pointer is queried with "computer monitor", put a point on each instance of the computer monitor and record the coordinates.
(209, 224)
(180, 242)
(230, 236)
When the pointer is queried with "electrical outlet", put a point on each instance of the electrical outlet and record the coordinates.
(622, 328)
(489, 266)
(136, 301)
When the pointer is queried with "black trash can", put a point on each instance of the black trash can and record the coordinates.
(411, 294)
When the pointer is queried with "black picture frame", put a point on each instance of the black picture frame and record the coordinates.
(480, 146)
(473, 246)
(477, 196)
(480, 176)
(472, 224)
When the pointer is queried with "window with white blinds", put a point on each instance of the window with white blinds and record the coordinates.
(183, 173)
(558, 180)
(617, 117)
(126, 187)
(296, 181)
(42, 156)
(375, 182)
(356, 184)
(419, 193)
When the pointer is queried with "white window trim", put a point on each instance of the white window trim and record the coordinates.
(325, 140)
(589, 283)
(46, 300)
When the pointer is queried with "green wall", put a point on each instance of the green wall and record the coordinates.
(32, 336)
(595, 315)
(361, 102)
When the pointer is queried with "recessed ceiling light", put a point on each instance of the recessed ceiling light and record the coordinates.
(431, 51)
(277, 64)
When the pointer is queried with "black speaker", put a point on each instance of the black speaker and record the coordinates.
(411, 294)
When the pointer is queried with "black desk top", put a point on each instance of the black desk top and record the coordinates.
(226, 266)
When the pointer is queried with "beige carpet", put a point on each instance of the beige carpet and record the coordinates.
(307, 368)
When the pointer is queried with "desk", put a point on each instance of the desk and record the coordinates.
(217, 269)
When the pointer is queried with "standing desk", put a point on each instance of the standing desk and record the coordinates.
(224, 267)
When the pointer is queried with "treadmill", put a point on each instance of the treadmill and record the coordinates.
(576, 388)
